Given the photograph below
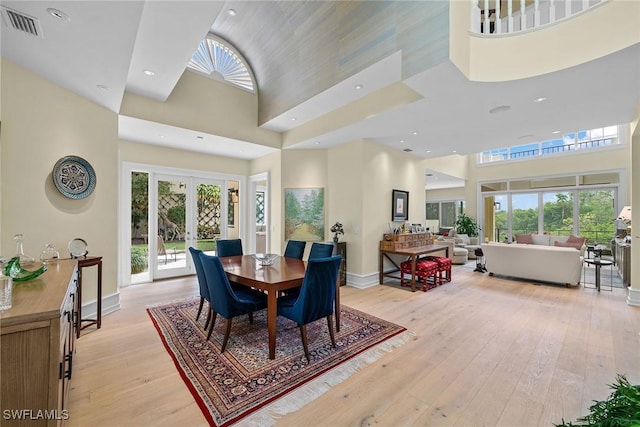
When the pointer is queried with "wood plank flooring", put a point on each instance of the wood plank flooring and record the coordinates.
(486, 351)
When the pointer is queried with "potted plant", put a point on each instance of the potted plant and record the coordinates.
(337, 230)
(466, 225)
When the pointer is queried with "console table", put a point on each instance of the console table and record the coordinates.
(413, 254)
(84, 262)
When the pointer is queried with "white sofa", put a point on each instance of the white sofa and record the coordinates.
(535, 262)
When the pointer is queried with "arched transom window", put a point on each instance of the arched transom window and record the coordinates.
(217, 59)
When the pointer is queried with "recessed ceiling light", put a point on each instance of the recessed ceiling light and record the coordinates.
(293, 119)
(149, 72)
(555, 132)
(103, 87)
(454, 151)
(161, 136)
(428, 151)
(359, 86)
(58, 14)
(402, 141)
(415, 132)
(542, 98)
(500, 109)
(231, 12)
(317, 142)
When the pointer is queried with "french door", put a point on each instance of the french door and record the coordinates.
(186, 212)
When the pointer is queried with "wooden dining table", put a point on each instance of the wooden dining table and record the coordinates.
(285, 273)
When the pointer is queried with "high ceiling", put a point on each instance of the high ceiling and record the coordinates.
(103, 48)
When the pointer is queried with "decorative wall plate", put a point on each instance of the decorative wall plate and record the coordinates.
(74, 177)
(78, 247)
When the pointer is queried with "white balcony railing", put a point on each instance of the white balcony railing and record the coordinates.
(493, 17)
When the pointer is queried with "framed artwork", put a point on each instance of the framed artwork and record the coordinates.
(304, 214)
(399, 205)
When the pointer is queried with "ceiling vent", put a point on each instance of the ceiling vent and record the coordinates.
(407, 150)
(21, 22)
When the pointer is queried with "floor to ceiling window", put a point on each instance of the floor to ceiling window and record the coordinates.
(584, 205)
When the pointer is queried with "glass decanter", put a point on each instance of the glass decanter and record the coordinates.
(49, 254)
(25, 260)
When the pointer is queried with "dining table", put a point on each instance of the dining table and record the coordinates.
(285, 273)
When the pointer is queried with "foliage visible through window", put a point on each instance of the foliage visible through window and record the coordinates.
(260, 208)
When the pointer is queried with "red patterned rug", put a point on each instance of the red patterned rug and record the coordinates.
(243, 381)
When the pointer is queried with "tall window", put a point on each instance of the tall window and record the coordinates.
(445, 213)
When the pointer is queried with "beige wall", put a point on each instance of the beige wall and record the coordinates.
(202, 104)
(41, 123)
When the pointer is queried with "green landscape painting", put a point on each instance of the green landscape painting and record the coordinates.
(304, 214)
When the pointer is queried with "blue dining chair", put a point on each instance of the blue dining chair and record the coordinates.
(202, 283)
(320, 250)
(295, 249)
(225, 301)
(316, 298)
(228, 247)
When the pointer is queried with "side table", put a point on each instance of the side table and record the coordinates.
(598, 263)
(83, 262)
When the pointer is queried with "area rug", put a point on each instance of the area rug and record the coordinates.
(243, 384)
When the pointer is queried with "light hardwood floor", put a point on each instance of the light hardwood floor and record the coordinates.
(487, 351)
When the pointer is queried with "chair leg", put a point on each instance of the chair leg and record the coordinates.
(251, 318)
(305, 345)
(206, 324)
(213, 322)
(200, 308)
(226, 335)
(331, 333)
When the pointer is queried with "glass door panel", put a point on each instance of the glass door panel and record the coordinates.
(524, 208)
(208, 215)
(501, 218)
(597, 210)
(558, 213)
(173, 228)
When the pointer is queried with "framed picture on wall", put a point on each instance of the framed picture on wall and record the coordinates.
(304, 214)
(399, 205)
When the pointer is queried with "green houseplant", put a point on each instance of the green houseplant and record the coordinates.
(466, 225)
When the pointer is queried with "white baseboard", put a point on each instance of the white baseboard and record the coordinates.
(362, 282)
(110, 304)
(634, 297)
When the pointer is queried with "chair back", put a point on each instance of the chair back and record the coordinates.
(320, 250)
(295, 249)
(223, 299)
(202, 280)
(318, 290)
(229, 247)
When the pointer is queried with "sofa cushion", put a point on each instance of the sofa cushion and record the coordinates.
(540, 239)
(577, 246)
(524, 238)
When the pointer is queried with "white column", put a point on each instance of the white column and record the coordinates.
(475, 17)
(486, 24)
(510, 15)
(634, 289)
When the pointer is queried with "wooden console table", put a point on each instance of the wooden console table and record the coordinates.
(89, 261)
(412, 254)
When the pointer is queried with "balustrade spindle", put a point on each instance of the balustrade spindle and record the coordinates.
(486, 28)
(552, 11)
(536, 13)
(498, 21)
(510, 16)
(523, 16)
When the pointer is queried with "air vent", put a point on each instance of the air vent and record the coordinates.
(407, 150)
(21, 22)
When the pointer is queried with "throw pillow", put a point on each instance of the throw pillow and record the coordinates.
(577, 240)
(524, 238)
(540, 239)
(568, 245)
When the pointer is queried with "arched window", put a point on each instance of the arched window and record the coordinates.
(217, 59)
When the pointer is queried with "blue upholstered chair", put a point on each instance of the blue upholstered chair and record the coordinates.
(316, 298)
(228, 247)
(295, 249)
(320, 250)
(202, 282)
(225, 301)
